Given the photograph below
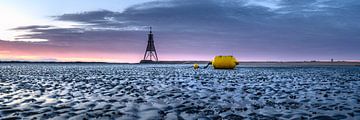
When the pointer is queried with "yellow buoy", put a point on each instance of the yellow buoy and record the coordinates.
(196, 66)
(224, 62)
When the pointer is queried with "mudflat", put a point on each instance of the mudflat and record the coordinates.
(177, 91)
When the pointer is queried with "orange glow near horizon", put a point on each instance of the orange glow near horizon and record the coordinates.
(67, 57)
(10, 52)
(86, 56)
(112, 58)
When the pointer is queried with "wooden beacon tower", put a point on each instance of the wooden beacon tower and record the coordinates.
(150, 55)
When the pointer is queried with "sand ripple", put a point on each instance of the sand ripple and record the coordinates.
(86, 91)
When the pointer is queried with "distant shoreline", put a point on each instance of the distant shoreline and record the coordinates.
(54, 62)
(242, 63)
(304, 63)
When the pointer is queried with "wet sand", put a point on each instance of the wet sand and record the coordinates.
(110, 91)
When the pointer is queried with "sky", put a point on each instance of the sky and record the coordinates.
(116, 30)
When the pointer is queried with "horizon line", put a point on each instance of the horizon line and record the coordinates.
(241, 61)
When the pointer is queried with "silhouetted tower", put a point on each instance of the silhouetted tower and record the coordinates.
(150, 53)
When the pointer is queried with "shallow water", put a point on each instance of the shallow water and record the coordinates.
(104, 91)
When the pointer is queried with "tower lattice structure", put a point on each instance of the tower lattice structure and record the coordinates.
(150, 53)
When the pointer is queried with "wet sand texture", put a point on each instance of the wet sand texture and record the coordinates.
(71, 91)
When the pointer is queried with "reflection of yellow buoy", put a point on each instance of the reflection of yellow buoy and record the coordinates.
(224, 62)
(196, 66)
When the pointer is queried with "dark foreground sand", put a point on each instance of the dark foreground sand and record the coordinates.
(105, 91)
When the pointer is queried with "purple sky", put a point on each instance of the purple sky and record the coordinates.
(251, 30)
